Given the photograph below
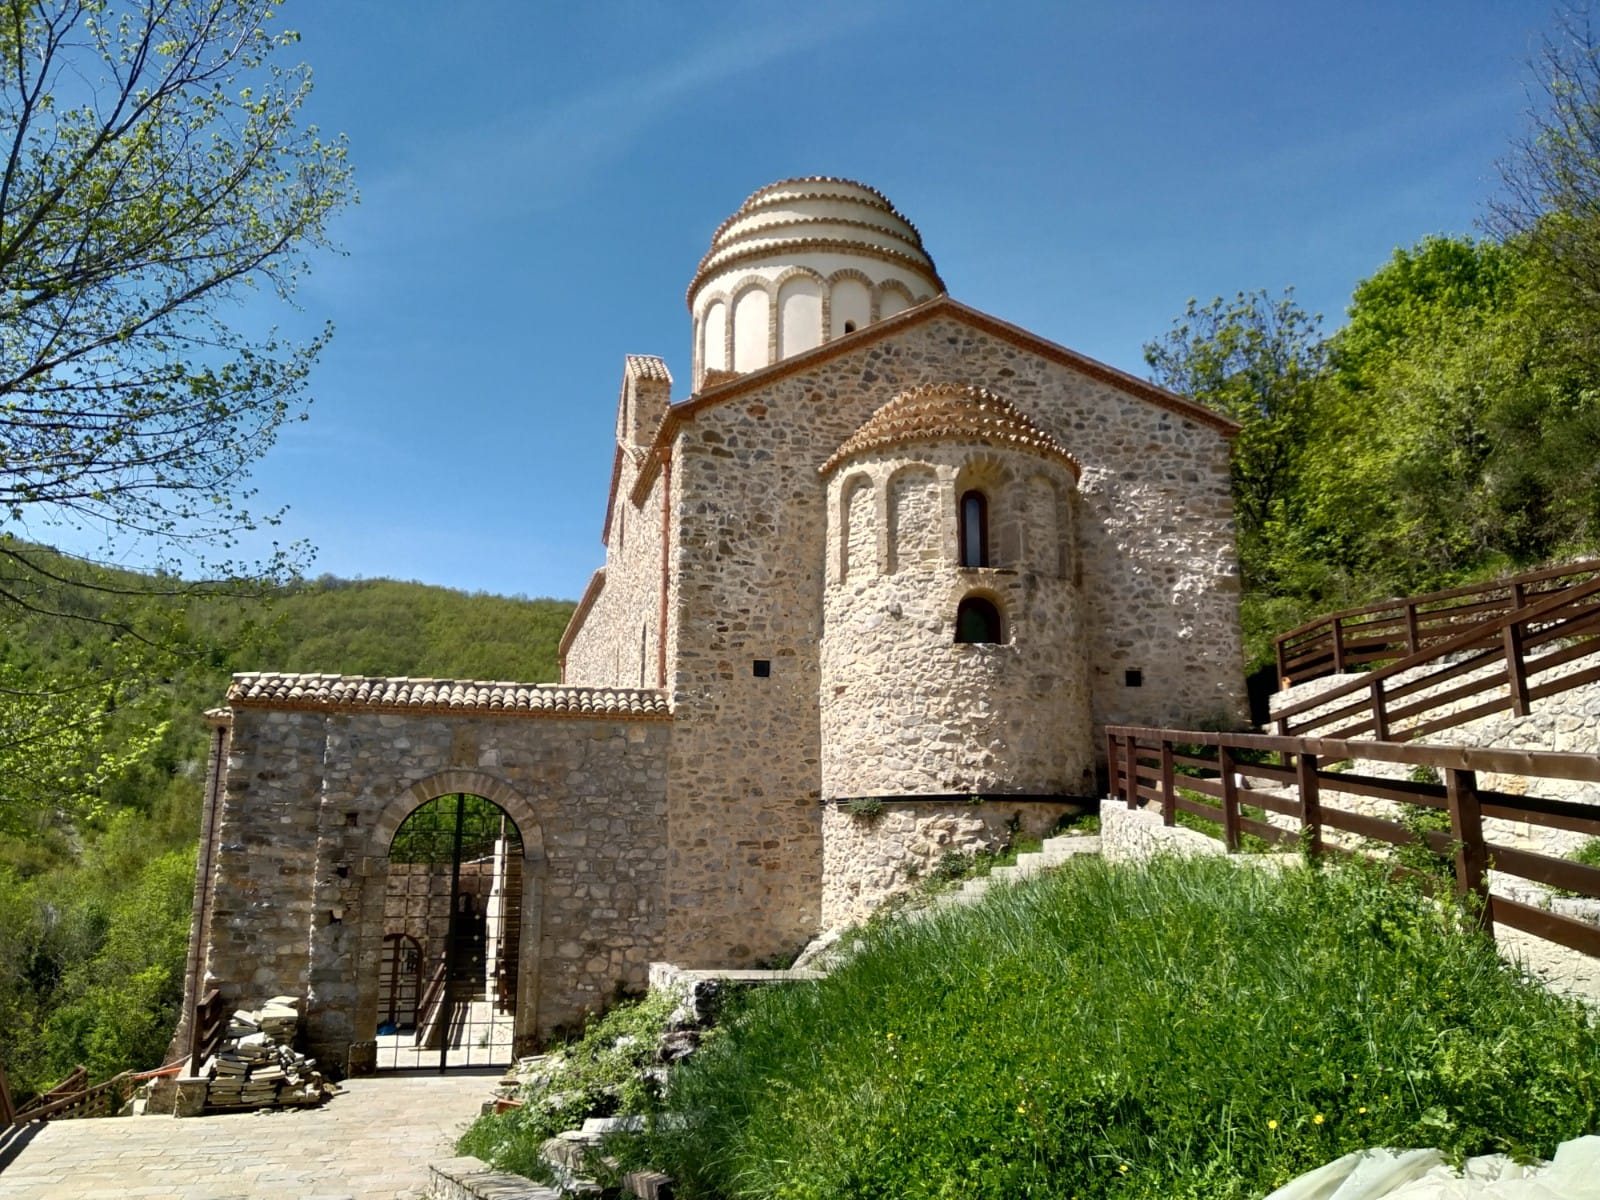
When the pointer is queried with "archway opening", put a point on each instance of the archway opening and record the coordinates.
(447, 983)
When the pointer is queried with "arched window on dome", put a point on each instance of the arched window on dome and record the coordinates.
(974, 529)
(978, 621)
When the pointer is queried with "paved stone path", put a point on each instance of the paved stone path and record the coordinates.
(373, 1141)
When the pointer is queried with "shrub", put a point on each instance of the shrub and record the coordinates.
(1187, 1029)
(599, 1074)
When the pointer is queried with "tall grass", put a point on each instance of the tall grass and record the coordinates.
(1182, 1029)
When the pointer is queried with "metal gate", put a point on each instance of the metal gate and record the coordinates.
(447, 986)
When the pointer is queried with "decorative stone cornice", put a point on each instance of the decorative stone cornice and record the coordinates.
(951, 412)
(762, 198)
(735, 256)
(795, 205)
(358, 693)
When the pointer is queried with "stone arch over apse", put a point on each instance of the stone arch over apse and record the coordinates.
(522, 814)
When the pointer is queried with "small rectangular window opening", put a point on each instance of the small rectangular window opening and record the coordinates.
(761, 668)
(1133, 677)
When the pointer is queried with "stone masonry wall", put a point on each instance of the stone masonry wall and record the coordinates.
(907, 709)
(867, 859)
(417, 901)
(1160, 589)
(619, 644)
(265, 858)
(311, 799)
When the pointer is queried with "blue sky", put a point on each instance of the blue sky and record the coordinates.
(538, 182)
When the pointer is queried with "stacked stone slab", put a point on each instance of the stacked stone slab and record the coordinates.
(256, 1066)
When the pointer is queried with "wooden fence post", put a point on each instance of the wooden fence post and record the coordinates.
(1413, 637)
(1338, 646)
(1133, 771)
(1466, 830)
(1169, 791)
(1310, 802)
(8, 1111)
(1516, 670)
(1230, 800)
(1111, 766)
(1380, 712)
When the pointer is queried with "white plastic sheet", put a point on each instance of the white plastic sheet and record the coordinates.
(1574, 1174)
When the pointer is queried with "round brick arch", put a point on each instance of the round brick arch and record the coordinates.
(473, 783)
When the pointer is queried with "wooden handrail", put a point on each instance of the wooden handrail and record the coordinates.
(75, 1097)
(1508, 640)
(1141, 771)
(1404, 625)
(208, 1028)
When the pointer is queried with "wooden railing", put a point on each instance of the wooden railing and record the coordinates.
(1145, 767)
(1493, 666)
(1357, 638)
(208, 1028)
(76, 1097)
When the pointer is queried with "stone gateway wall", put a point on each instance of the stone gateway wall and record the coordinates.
(310, 799)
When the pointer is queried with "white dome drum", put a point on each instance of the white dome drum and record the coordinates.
(802, 262)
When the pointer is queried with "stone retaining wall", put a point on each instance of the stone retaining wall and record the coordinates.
(869, 858)
(1568, 722)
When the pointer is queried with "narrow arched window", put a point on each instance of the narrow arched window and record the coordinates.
(974, 529)
(977, 620)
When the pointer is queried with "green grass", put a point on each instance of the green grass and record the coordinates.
(1187, 1029)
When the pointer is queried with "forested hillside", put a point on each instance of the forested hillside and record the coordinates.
(102, 768)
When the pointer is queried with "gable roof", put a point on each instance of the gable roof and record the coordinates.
(921, 314)
(937, 412)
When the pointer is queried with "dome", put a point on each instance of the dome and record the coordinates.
(943, 412)
(817, 212)
(802, 262)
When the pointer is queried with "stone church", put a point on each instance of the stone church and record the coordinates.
(871, 593)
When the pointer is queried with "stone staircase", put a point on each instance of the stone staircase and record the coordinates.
(1051, 854)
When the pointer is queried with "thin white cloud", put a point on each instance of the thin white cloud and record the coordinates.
(535, 159)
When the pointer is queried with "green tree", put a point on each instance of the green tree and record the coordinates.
(1257, 360)
(1551, 194)
(155, 171)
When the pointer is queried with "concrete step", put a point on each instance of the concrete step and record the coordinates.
(1057, 850)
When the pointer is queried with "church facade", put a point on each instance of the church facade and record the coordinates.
(871, 594)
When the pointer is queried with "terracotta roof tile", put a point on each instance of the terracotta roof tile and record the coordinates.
(942, 412)
(647, 366)
(360, 693)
